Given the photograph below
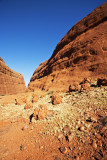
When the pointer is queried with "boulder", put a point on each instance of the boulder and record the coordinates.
(35, 98)
(56, 99)
(28, 105)
(40, 112)
(74, 87)
(20, 100)
(101, 82)
(85, 86)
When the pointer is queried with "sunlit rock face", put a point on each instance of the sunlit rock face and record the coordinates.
(11, 82)
(82, 53)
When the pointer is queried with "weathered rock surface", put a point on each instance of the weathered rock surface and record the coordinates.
(81, 53)
(40, 112)
(56, 99)
(11, 82)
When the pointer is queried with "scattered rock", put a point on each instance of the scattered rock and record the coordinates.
(28, 105)
(25, 127)
(99, 143)
(85, 86)
(94, 118)
(33, 120)
(56, 99)
(40, 112)
(86, 80)
(94, 144)
(42, 96)
(29, 98)
(98, 136)
(103, 131)
(41, 147)
(89, 119)
(101, 82)
(24, 99)
(35, 99)
(22, 147)
(63, 149)
(66, 130)
(20, 101)
(74, 87)
(61, 137)
(31, 128)
(70, 137)
(81, 128)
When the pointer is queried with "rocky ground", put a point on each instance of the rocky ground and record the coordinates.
(73, 129)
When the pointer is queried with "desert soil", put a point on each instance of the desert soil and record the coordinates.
(73, 130)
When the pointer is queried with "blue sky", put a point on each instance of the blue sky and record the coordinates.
(31, 29)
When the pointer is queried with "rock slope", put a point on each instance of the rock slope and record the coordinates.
(11, 82)
(81, 53)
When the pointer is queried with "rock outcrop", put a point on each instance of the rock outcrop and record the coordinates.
(81, 53)
(11, 82)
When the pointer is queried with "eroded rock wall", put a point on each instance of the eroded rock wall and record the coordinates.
(11, 82)
(81, 53)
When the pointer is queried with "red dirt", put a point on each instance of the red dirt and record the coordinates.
(73, 129)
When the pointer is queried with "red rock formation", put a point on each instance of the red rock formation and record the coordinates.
(11, 82)
(81, 53)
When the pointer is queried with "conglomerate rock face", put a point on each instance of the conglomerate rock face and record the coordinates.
(11, 82)
(81, 53)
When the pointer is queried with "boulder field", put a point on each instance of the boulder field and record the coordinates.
(11, 82)
(63, 114)
(80, 54)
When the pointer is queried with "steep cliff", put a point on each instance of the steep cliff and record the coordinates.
(11, 82)
(81, 53)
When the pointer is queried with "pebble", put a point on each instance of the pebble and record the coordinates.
(70, 138)
(41, 147)
(60, 137)
(100, 143)
(94, 144)
(22, 147)
(63, 150)
(31, 128)
(81, 128)
(98, 136)
(25, 127)
(33, 120)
